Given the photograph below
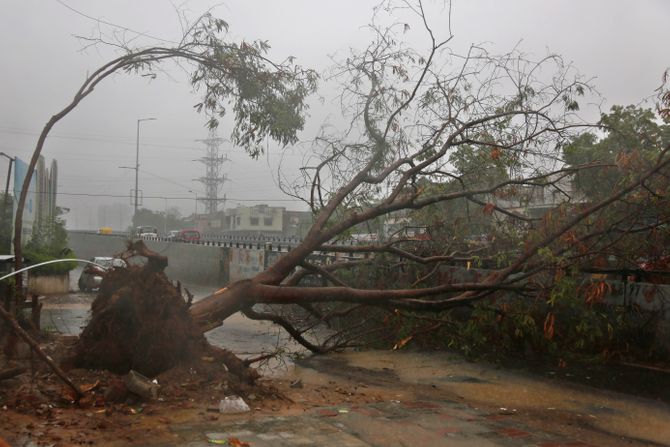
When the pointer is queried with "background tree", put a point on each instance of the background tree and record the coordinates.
(628, 132)
(49, 241)
(172, 221)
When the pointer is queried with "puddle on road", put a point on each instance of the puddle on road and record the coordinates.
(484, 385)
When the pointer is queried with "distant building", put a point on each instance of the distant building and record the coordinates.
(40, 207)
(261, 219)
(258, 220)
(536, 200)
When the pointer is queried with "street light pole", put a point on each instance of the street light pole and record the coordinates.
(137, 162)
(195, 213)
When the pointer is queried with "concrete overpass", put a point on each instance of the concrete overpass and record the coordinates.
(210, 262)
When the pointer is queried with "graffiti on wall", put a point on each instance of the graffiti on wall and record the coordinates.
(245, 263)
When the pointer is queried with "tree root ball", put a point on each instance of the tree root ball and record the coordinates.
(139, 321)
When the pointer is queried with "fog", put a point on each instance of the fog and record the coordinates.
(622, 45)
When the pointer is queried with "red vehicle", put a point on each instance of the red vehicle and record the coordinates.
(188, 235)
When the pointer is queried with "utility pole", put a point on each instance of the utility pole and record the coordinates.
(195, 211)
(214, 178)
(137, 161)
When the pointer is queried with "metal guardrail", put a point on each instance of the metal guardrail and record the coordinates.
(270, 243)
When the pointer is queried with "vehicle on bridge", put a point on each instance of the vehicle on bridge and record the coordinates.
(146, 232)
(188, 235)
(105, 230)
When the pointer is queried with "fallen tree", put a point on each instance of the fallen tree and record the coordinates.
(473, 135)
(466, 138)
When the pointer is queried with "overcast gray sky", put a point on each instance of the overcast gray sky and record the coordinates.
(623, 44)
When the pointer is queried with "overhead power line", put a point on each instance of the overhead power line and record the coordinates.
(113, 25)
(125, 196)
(94, 138)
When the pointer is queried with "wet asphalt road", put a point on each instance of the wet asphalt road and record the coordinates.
(436, 396)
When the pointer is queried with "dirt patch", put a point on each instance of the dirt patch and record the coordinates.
(36, 407)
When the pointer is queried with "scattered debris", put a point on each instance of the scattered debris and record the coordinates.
(233, 404)
(140, 385)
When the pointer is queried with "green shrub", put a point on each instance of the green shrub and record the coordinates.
(35, 257)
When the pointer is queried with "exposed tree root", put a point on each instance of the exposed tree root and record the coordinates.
(141, 321)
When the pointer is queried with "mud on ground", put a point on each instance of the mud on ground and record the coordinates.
(35, 406)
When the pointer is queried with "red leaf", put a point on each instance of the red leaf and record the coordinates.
(549, 326)
(402, 342)
(234, 442)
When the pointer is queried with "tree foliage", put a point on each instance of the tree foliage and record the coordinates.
(160, 220)
(629, 133)
(49, 241)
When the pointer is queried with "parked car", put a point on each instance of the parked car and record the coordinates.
(92, 275)
(188, 235)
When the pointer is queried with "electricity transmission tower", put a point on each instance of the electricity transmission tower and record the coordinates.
(214, 178)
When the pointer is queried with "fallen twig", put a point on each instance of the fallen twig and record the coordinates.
(35, 347)
(12, 372)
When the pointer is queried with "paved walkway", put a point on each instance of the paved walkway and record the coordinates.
(387, 424)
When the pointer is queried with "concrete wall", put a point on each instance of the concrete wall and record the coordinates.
(192, 263)
(216, 265)
(87, 245)
(208, 265)
(244, 263)
(52, 284)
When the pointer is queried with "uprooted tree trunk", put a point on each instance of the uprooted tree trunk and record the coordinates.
(140, 321)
